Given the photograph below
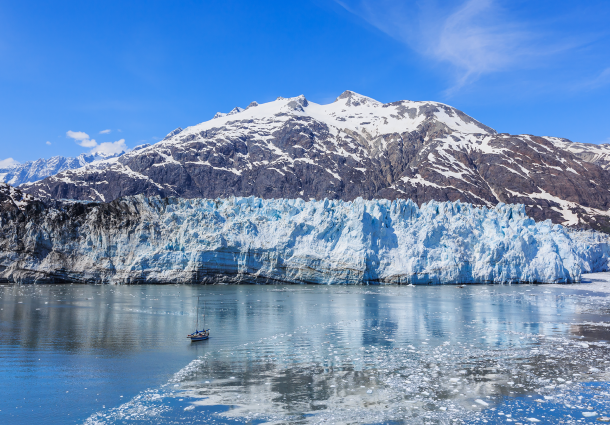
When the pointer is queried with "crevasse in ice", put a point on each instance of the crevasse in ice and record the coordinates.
(326, 242)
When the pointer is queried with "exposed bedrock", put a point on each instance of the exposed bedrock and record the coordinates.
(153, 240)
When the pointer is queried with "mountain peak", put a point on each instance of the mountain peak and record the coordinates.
(236, 110)
(173, 133)
(355, 99)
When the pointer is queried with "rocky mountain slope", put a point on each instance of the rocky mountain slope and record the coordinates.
(356, 147)
(172, 240)
(33, 171)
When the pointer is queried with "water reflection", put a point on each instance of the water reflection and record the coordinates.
(309, 353)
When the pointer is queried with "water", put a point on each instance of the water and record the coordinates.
(303, 354)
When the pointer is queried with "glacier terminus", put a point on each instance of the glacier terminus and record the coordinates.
(141, 239)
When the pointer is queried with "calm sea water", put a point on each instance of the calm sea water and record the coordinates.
(303, 354)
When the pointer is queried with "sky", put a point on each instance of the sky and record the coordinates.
(104, 76)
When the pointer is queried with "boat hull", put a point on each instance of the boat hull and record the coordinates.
(199, 335)
(199, 338)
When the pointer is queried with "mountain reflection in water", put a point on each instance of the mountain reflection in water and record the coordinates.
(298, 353)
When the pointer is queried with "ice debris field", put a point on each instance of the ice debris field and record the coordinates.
(454, 369)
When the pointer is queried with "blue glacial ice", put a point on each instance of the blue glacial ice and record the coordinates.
(153, 240)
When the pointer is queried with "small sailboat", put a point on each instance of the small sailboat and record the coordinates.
(199, 335)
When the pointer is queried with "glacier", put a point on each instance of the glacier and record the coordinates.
(143, 239)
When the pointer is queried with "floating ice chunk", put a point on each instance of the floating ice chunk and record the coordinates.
(481, 402)
(589, 414)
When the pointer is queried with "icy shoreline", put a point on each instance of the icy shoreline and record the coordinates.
(250, 240)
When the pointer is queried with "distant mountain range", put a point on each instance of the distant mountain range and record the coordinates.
(355, 147)
(33, 171)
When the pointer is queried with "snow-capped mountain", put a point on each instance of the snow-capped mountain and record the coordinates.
(597, 154)
(153, 240)
(33, 171)
(356, 146)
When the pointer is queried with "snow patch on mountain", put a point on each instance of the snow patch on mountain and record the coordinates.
(597, 154)
(12, 196)
(353, 112)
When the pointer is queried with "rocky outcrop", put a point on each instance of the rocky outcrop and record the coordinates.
(356, 147)
(173, 240)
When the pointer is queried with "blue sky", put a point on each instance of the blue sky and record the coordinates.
(98, 75)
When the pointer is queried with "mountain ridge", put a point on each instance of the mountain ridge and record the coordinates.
(356, 147)
(32, 171)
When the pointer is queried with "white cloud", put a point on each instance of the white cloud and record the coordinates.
(77, 135)
(48, 143)
(474, 37)
(8, 162)
(83, 140)
(110, 147)
(105, 131)
(88, 143)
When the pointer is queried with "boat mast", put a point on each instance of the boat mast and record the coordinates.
(197, 327)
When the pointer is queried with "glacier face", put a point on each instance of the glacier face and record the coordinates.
(152, 240)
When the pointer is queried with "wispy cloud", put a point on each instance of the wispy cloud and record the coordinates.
(600, 80)
(85, 141)
(8, 162)
(48, 143)
(475, 37)
(105, 131)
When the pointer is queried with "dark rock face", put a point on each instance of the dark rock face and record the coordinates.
(356, 146)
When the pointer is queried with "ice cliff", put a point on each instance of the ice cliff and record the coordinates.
(153, 240)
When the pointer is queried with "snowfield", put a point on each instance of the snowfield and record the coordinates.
(153, 240)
